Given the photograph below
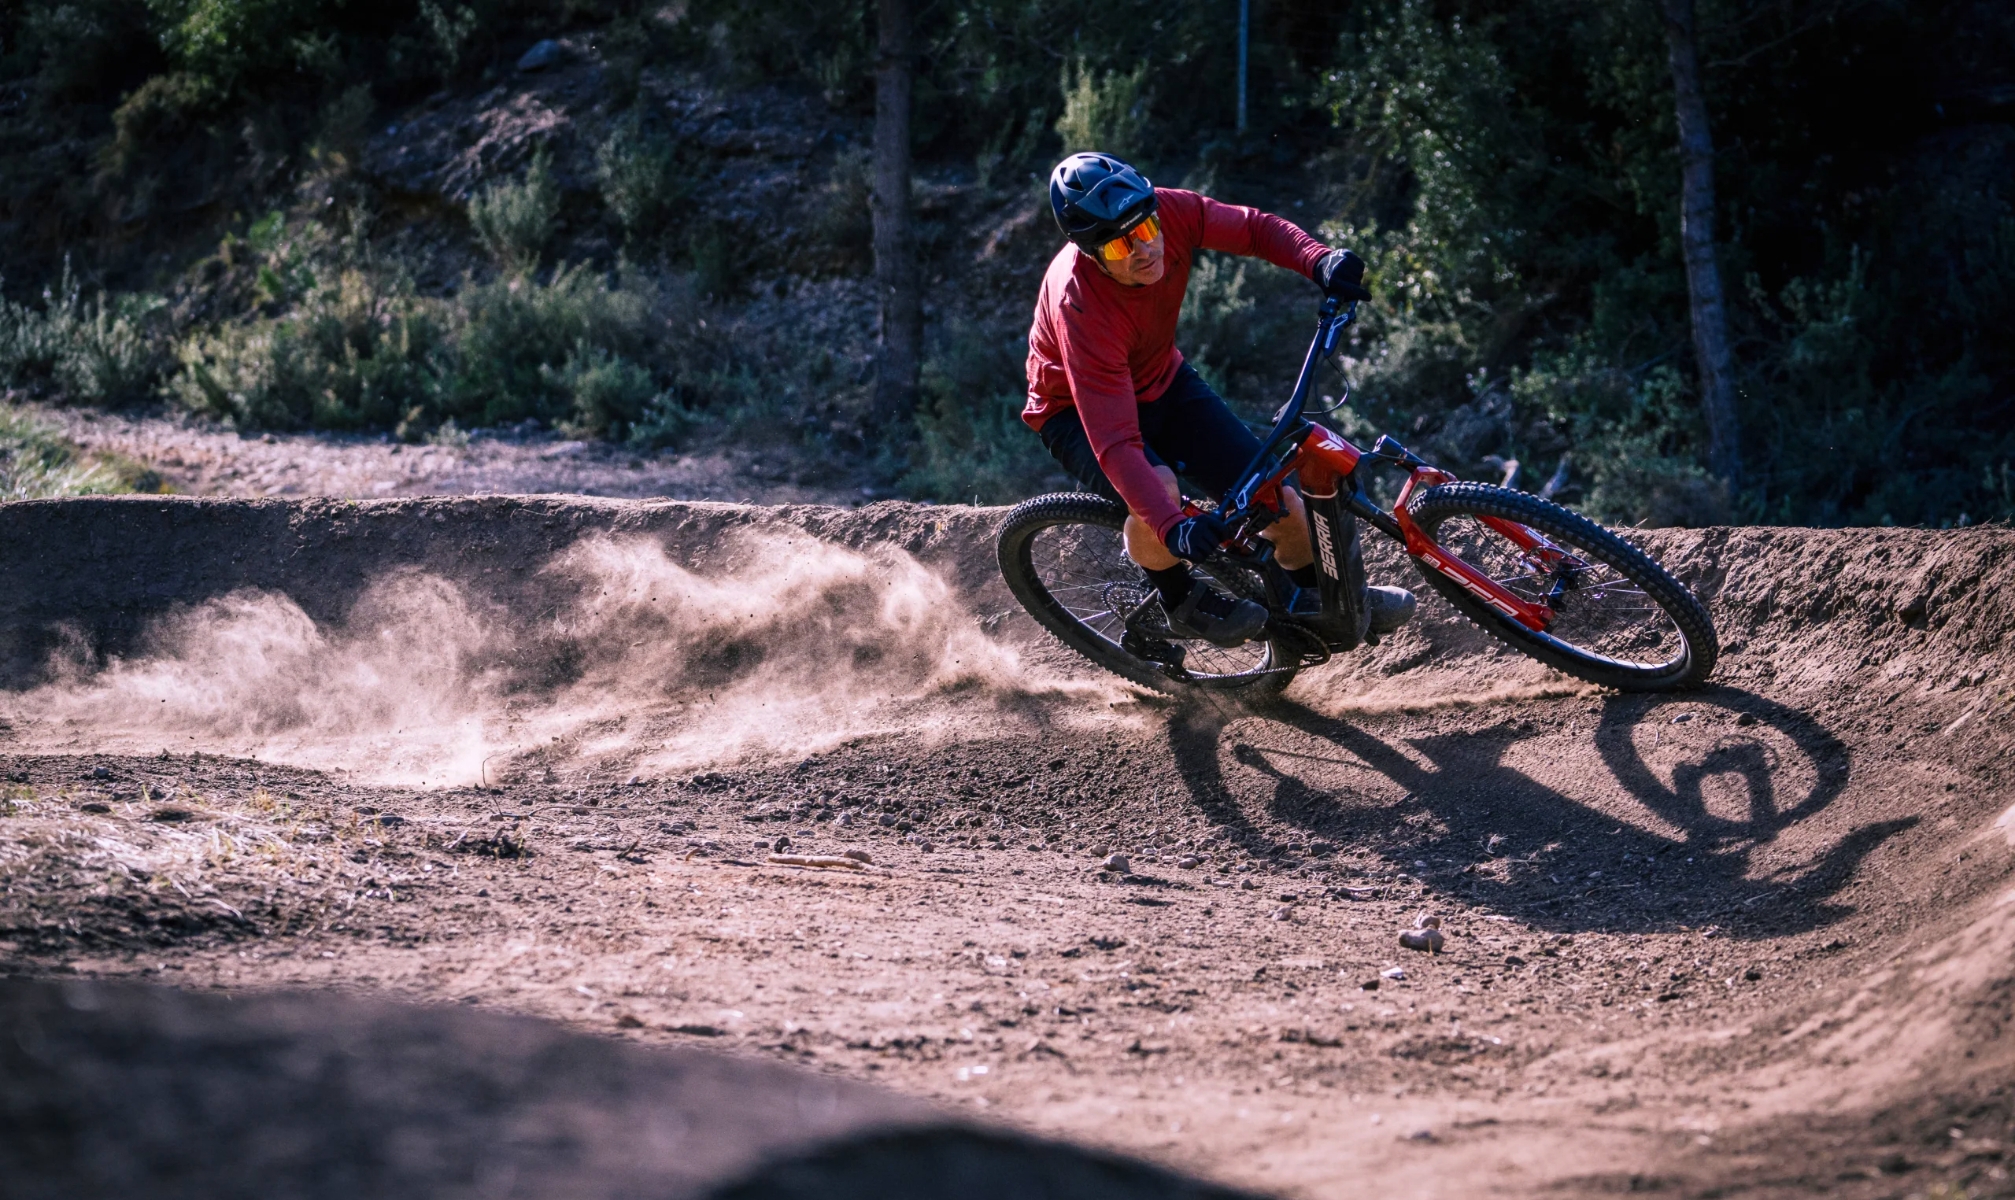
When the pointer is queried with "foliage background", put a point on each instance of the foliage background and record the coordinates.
(1508, 166)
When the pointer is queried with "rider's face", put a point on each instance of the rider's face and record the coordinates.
(1140, 267)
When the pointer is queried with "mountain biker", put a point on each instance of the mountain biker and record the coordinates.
(1115, 403)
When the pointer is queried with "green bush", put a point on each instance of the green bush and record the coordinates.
(641, 181)
(510, 332)
(514, 221)
(605, 394)
(101, 351)
(357, 353)
(971, 444)
(1104, 112)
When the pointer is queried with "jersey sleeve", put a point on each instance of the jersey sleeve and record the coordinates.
(1101, 386)
(1235, 229)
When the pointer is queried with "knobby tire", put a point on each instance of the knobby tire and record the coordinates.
(1653, 593)
(1017, 547)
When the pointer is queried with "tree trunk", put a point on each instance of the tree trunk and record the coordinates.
(895, 261)
(1696, 233)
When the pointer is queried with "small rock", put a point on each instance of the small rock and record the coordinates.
(1394, 973)
(1746, 719)
(636, 781)
(1492, 846)
(846, 820)
(1188, 862)
(926, 847)
(1427, 940)
(1117, 864)
(385, 820)
(1248, 885)
(101, 773)
(1421, 1135)
(1287, 897)
(1369, 985)
(93, 806)
(886, 820)
(1752, 974)
(1100, 850)
(1682, 718)
(1283, 913)
(781, 844)
(859, 856)
(544, 53)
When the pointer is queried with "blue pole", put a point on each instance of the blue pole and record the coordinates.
(1244, 23)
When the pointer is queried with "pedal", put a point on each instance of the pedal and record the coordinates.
(1167, 655)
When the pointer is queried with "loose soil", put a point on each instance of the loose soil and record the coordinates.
(1751, 940)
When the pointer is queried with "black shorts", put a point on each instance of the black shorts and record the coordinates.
(1189, 430)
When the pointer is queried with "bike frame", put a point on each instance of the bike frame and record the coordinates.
(1326, 461)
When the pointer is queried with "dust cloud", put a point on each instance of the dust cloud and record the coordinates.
(614, 660)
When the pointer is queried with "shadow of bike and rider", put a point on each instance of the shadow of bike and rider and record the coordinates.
(1502, 838)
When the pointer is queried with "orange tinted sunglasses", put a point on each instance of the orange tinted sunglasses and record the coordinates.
(1143, 233)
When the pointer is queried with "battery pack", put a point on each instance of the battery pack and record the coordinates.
(1340, 562)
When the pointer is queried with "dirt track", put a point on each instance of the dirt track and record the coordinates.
(532, 754)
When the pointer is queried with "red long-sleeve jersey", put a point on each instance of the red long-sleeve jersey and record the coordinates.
(1105, 348)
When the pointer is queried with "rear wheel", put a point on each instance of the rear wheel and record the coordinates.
(1620, 619)
(1064, 559)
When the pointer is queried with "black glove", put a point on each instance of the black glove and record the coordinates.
(1341, 274)
(1196, 538)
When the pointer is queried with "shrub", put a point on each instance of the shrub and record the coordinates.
(606, 394)
(352, 356)
(510, 332)
(104, 351)
(1106, 113)
(971, 443)
(514, 221)
(640, 181)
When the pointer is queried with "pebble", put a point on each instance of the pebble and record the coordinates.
(1491, 846)
(781, 844)
(1746, 719)
(846, 820)
(1117, 864)
(1248, 885)
(101, 773)
(859, 856)
(544, 53)
(1283, 913)
(1188, 862)
(1393, 973)
(1100, 850)
(1428, 940)
(886, 820)
(1369, 985)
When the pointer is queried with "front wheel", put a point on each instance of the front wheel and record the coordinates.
(1064, 558)
(1620, 620)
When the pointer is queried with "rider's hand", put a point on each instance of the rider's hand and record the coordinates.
(1341, 274)
(1196, 538)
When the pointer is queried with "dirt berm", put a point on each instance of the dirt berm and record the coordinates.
(571, 759)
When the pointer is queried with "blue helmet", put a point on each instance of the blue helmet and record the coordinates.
(1096, 198)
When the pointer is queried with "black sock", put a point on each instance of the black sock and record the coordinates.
(1173, 584)
(1305, 576)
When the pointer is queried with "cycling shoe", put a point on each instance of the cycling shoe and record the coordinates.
(1221, 620)
(1390, 608)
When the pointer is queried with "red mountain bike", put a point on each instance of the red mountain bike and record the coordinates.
(1542, 579)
